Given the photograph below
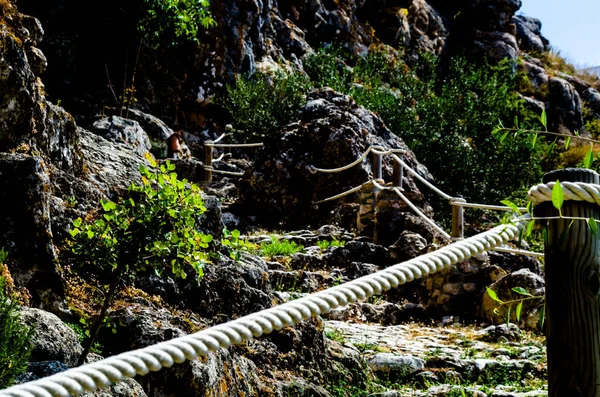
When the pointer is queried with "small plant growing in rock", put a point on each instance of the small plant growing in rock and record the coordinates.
(153, 228)
(280, 247)
(324, 244)
(236, 244)
(15, 338)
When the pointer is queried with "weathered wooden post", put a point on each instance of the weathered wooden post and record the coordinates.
(377, 168)
(365, 218)
(458, 223)
(398, 175)
(208, 158)
(572, 293)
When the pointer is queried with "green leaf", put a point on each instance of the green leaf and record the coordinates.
(567, 143)
(529, 229)
(518, 311)
(542, 316)
(521, 291)
(544, 118)
(533, 141)
(589, 158)
(235, 233)
(529, 207)
(551, 148)
(593, 226)
(77, 222)
(558, 196)
(493, 295)
(503, 137)
(108, 205)
(512, 205)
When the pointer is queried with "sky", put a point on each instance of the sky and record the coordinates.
(572, 26)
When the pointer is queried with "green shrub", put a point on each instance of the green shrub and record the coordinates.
(153, 228)
(15, 340)
(173, 19)
(278, 247)
(447, 122)
(262, 104)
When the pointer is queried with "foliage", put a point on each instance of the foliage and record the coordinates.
(280, 247)
(236, 244)
(324, 244)
(154, 228)
(15, 340)
(173, 19)
(263, 104)
(524, 297)
(446, 120)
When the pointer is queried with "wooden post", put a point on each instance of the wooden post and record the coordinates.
(398, 174)
(572, 293)
(458, 221)
(208, 158)
(377, 169)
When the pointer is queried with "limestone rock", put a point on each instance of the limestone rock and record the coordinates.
(124, 131)
(529, 36)
(523, 278)
(333, 131)
(52, 339)
(565, 106)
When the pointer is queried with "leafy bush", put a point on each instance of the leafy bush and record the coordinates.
(280, 247)
(154, 228)
(447, 122)
(15, 338)
(263, 104)
(173, 19)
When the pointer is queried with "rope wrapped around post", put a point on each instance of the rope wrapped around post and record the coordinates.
(103, 373)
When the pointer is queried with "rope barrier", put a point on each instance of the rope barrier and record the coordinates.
(519, 252)
(419, 177)
(415, 209)
(577, 191)
(209, 168)
(343, 194)
(233, 145)
(103, 373)
(219, 139)
(485, 206)
(313, 170)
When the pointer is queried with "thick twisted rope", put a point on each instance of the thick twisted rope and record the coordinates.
(103, 373)
(577, 191)
(379, 150)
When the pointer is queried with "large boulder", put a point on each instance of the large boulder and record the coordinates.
(565, 106)
(52, 339)
(333, 131)
(529, 35)
(123, 131)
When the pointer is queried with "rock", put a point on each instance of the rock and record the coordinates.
(495, 46)
(392, 366)
(493, 333)
(52, 340)
(333, 129)
(512, 262)
(41, 369)
(37, 60)
(124, 131)
(35, 29)
(409, 245)
(565, 106)
(537, 78)
(532, 283)
(529, 36)
(592, 100)
(26, 227)
(535, 106)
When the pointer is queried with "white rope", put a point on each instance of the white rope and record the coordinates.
(314, 170)
(211, 169)
(419, 177)
(484, 206)
(415, 209)
(232, 145)
(337, 196)
(103, 373)
(519, 252)
(577, 191)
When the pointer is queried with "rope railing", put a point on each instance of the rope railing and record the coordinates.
(90, 377)
(400, 165)
(209, 170)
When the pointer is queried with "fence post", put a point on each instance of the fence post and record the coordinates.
(398, 175)
(377, 169)
(365, 218)
(208, 158)
(458, 221)
(572, 293)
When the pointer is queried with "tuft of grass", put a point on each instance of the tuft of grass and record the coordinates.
(324, 244)
(277, 247)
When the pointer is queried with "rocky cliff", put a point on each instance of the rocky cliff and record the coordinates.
(57, 163)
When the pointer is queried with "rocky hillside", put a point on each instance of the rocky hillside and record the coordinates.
(67, 143)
